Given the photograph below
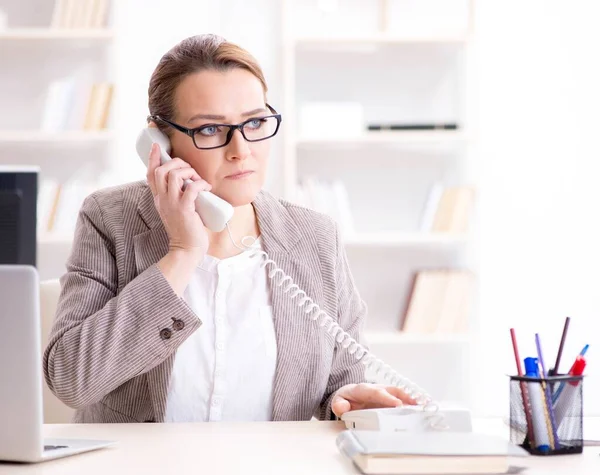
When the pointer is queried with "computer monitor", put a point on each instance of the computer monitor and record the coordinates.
(18, 214)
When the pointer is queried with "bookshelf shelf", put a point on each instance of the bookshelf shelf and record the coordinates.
(391, 239)
(55, 239)
(64, 137)
(429, 137)
(325, 42)
(20, 34)
(398, 337)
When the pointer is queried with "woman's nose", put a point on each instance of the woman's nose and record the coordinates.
(238, 148)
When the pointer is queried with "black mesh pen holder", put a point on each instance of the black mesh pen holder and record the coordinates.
(538, 429)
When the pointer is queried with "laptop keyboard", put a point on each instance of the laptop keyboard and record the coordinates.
(54, 447)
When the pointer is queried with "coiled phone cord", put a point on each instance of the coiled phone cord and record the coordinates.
(345, 340)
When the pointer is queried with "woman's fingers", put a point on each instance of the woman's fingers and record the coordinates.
(364, 396)
(153, 164)
(162, 172)
(339, 405)
(375, 396)
(176, 179)
(405, 398)
(192, 189)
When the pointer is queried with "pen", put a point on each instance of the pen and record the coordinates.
(547, 395)
(554, 371)
(556, 394)
(524, 392)
(566, 399)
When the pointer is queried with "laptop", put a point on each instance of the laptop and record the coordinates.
(21, 405)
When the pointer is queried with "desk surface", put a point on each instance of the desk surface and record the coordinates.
(280, 448)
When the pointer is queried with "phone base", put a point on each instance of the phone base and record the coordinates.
(408, 418)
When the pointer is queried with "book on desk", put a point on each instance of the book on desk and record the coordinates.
(376, 452)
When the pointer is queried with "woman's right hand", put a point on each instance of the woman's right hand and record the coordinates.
(176, 208)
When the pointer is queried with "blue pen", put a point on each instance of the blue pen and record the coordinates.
(536, 399)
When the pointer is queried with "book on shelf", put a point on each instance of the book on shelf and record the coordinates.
(58, 205)
(97, 111)
(329, 197)
(75, 105)
(79, 14)
(448, 209)
(440, 301)
(3, 20)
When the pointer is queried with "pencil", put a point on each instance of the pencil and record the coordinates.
(554, 371)
(524, 392)
(550, 421)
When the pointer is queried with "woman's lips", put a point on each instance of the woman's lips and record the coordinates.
(240, 175)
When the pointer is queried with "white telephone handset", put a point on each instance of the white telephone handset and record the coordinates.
(215, 214)
(214, 211)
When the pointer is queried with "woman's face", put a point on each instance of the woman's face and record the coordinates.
(230, 97)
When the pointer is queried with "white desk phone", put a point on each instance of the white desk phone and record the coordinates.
(428, 415)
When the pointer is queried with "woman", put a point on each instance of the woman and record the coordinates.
(161, 319)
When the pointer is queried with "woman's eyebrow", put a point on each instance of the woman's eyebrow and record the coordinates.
(222, 117)
(255, 111)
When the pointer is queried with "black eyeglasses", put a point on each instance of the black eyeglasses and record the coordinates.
(210, 136)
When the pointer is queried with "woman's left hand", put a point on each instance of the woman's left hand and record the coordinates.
(366, 396)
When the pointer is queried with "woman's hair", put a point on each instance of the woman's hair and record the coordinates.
(194, 54)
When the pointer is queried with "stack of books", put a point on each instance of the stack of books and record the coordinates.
(440, 302)
(58, 206)
(448, 209)
(74, 105)
(79, 14)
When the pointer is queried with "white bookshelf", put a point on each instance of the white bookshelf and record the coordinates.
(35, 136)
(51, 34)
(442, 137)
(55, 239)
(404, 239)
(400, 338)
(375, 39)
(387, 173)
(41, 52)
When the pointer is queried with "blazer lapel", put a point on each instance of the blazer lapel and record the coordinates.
(296, 334)
(150, 246)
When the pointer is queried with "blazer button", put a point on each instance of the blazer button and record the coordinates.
(178, 325)
(165, 333)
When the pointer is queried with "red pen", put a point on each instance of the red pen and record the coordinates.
(577, 369)
(568, 392)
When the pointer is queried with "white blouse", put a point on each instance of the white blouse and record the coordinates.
(225, 370)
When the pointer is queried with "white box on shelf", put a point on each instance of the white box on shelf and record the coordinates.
(58, 105)
(331, 119)
(3, 20)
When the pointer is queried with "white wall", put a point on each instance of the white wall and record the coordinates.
(535, 103)
(536, 107)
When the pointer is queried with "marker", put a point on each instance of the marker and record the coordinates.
(556, 394)
(570, 390)
(536, 399)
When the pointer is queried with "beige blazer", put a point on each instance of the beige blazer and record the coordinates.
(118, 323)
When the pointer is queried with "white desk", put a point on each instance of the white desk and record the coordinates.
(240, 448)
